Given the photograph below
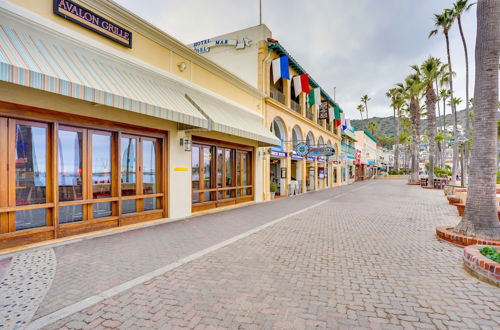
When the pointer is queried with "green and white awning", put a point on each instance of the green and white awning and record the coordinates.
(35, 56)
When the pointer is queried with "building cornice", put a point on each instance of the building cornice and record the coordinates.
(140, 25)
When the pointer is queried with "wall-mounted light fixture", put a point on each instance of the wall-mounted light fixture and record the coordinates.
(186, 143)
(182, 66)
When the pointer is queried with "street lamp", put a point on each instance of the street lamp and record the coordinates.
(462, 140)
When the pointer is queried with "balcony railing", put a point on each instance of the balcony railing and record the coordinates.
(309, 114)
(277, 95)
(295, 106)
(347, 149)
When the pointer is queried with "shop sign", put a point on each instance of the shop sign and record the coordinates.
(310, 159)
(278, 153)
(205, 45)
(297, 157)
(323, 110)
(302, 149)
(321, 159)
(92, 21)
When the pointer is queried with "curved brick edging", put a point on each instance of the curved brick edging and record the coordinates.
(481, 266)
(446, 233)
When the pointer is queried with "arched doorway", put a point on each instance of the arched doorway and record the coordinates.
(296, 163)
(277, 168)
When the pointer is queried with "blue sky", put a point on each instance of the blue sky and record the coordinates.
(359, 46)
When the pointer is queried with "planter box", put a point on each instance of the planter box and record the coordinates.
(479, 265)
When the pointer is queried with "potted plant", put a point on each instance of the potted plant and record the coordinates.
(274, 189)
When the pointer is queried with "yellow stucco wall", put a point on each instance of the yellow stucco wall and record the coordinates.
(153, 53)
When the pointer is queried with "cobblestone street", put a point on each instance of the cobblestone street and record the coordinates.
(371, 261)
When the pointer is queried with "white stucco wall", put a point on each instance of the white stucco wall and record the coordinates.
(241, 62)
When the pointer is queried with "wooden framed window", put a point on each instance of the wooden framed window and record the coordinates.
(61, 175)
(221, 175)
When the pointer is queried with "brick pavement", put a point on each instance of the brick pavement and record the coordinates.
(368, 259)
(89, 267)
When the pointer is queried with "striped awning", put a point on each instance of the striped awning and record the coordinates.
(59, 67)
(47, 60)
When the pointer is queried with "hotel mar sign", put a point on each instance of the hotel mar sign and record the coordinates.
(92, 21)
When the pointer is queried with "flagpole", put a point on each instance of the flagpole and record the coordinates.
(260, 12)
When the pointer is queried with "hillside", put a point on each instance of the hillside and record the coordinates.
(386, 124)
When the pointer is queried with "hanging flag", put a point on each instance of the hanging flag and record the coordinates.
(280, 68)
(342, 120)
(337, 115)
(315, 97)
(348, 124)
(301, 84)
(330, 114)
(323, 110)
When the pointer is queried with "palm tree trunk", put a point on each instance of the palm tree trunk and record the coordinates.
(430, 101)
(396, 140)
(454, 112)
(415, 123)
(467, 120)
(445, 133)
(480, 218)
(437, 123)
(366, 108)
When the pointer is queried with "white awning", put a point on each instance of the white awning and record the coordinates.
(34, 52)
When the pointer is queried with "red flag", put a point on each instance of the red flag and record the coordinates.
(304, 83)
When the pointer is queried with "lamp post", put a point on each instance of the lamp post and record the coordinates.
(462, 139)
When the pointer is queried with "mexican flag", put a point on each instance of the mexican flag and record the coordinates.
(337, 115)
(315, 97)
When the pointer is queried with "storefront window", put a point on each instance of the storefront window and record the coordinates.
(207, 172)
(31, 173)
(149, 166)
(70, 165)
(128, 166)
(101, 173)
(195, 172)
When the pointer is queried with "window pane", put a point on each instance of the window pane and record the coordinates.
(208, 196)
(196, 198)
(149, 204)
(31, 160)
(238, 169)
(30, 219)
(220, 165)
(101, 166)
(128, 206)
(70, 165)
(195, 170)
(244, 170)
(149, 166)
(128, 166)
(207, 167)
(71, 213)
(102, 210)
(229, 168)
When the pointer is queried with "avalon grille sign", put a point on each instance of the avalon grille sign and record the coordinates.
(323, 111)
(92, 21)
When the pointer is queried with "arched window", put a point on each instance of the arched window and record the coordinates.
(320, 142)
(278, 128)
(329, 143)
(296, 136)
(310, 139)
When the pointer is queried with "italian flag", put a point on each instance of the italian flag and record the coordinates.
(315, 96)
(301, 84)
(337, 115)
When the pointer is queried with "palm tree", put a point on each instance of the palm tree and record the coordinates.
(412, 88)
(429, 71)
(480, 218)
(372, 127)
(444, 21)
(365, 100)
(397, 102)
(460, 7)
(361, 109)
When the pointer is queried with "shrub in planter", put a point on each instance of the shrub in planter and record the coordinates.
(490, 253)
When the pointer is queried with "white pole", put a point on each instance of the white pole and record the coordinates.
(260, 12)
